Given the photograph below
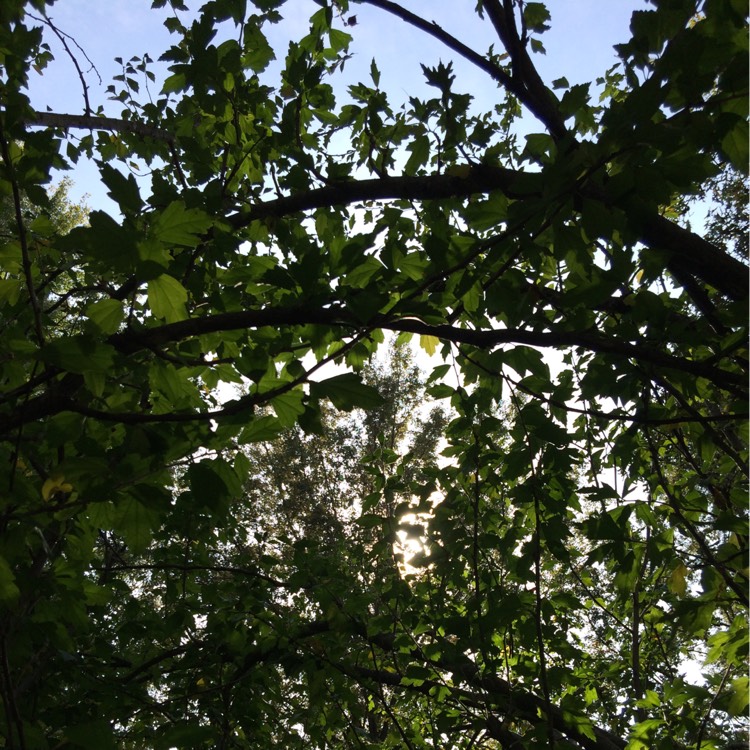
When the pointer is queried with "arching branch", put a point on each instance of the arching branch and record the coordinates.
(94, 122)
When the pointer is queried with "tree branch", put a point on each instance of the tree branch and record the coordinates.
(699, 257)
(689, 251)
(479, 179)
(532, 91)
(432, 28)
(131, 341)
(63, 37)
(536, 105)
(696, 255)
(63, 397)
(500, 692)
(94, 122)
(182, 568)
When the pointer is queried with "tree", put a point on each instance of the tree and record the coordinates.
(63, 213)
(584, 530)
(728, 224)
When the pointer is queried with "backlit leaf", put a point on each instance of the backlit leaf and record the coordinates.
(166, 298)
(346, 392)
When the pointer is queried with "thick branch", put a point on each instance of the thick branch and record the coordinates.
(697, 256)
(498, 691)
(62, 398)
(93, 122)
(539, 107)
(431, 28)
(533, 93)
(688, 251)
(479, 179)
(129, 342)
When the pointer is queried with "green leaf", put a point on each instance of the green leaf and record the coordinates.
(289, 406)
(346, 392)
(429, 344)
(340, 40)
(174, 384)
(419, 149)
(93, 735)
(738, 701)
(369, 520)
(537, 46)
(524, 359)
(487, 214)
(224, 470)
(136, 522)
(257, 52)
(735, 146)
(177, 225)
(10, 291)
(261, 429)
(174, 83)
(441, 76)
(166, 298)
(79, 354)
(107, 314)
(105, 240)
(677, 580)
(9, 591)
(123, 190)
(536, 16)
(363, 273)
(412, 266)
(374, 72)
(206, 484)
(539, 146)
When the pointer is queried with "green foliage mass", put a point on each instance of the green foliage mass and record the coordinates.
(227, 521)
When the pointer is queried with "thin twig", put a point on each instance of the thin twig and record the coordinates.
(704, 722)
(125, 567)
(10, 699)
(62, 36)
(697, 537)
(22, 238)
(537, 541)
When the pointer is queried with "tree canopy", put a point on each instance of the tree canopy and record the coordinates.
(226, 521)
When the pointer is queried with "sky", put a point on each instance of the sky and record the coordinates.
(579, 47)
